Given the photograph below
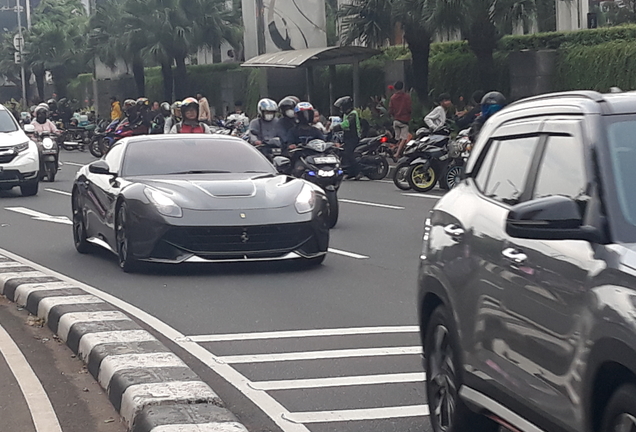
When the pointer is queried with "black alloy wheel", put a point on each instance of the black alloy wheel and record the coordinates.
(620, 413)
(454, 176)
(95, 147)
(447, 411)
(399, 176)
(126, 261)
(79, 227)
(380, 170)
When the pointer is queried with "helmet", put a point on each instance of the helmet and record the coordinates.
(267, 106)
(344, 104)
(287, 105)
(143, 102)
(128, 103)
(189, 103)
(41, 107)
(304, 112)
(165, 109)
(491, 103)
(176, 109)
(52, 104)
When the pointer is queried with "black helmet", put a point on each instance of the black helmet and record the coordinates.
(165, 109)
(286, 105)
(344, 104)
(493, 98)
(52, 103)
(142, 103)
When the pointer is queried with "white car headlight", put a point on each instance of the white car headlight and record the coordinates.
(164, 204)
(325, 173)
(306, 199)
(47, 143)
(21, 147)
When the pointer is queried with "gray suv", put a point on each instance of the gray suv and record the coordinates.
(527, 298)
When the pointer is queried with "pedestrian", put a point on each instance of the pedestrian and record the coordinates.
(115, 109)
(400, 110)
(156, 108)
(204, 109)
(437, 117)
(14, 111)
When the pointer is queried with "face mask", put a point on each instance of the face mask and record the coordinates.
(289, 113)
(268, 117)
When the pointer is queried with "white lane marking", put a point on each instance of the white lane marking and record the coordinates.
(202, 427)
(139, 396)
(358, 414)
(263, 400)
(316, 355)
(46, 304)
(36, 215)
(40, 408)
(58, 192)
(22, 292)
(91, 340)
(421, 195)
(385, 181)
(370, 204)
(347, 254)
(8, 264)
(68, 319)
(112, 364)
(339, 381)
(303, 333)
(74, 164)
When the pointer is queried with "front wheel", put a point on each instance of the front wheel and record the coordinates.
(421, 177)
(79, 227)
(332, 216)
(95, 148)
(448, 413)
(126, 260)
(50, 168)
(453, 176)
(399, 176)
(380, 170)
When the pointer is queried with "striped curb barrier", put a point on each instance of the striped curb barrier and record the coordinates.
(152, 389)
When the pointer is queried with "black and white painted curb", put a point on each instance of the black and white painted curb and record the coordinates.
(151, 388)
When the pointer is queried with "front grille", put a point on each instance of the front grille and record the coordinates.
(6, 157)
(255, 238)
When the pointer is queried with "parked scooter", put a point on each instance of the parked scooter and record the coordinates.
(49, 152)
(369, 158)
(458, 152)
(104, 128)
(318, 162)
(429, 161)
(79, 133)
(415, 149)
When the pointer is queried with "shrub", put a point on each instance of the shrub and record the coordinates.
(555, 40)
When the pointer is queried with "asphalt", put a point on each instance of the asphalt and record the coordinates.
(367, 294)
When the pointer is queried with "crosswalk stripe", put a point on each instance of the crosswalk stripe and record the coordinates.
(358, 414)
(316, 355)
(338, 381)
(303, 333)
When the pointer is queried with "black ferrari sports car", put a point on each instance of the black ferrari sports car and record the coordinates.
(196, 198)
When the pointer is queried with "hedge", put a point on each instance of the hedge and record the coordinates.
(555, 40)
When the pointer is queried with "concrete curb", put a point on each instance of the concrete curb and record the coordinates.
(151, 388)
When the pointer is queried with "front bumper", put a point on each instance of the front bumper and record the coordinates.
(19, 168)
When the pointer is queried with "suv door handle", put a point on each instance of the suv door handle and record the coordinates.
(514, 255)
(454, 231)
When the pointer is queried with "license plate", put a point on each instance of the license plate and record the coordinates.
(276, 151)
(326, 160)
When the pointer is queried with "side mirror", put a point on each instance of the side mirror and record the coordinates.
(100, 167)
(550, 218)
(29, 128)
(282, 164)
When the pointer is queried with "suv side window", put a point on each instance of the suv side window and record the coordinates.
(562, 168)
(510, 167)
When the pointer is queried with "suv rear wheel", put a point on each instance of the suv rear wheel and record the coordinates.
(620, 414)
(448, 413)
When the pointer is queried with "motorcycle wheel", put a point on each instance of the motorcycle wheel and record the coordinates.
(399, 176)
(380, 170)
(421, 177)
(95, 148)
(50, 169)
(332, 216)
(453, 176)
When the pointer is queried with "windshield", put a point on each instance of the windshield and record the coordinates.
(7, 123)
(193, 156)
(622, 146)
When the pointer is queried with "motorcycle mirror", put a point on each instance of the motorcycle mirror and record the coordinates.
(29, 128)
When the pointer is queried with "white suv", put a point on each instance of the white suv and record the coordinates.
(19, 157)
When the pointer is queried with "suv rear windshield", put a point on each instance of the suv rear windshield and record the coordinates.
(7, 124)
(621, 136)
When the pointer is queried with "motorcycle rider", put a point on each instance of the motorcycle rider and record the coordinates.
(130, 111)
(159, 122)
(41, 122)
(238, 117)
(175, 118)
(491, 103)
(145, 115)
(352, 128)
(304, 131)
(437, 117)
(53, 111)
(266, 125)
(190, 122)
(287, 122)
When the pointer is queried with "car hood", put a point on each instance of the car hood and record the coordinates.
(227, 191)
(12, 138)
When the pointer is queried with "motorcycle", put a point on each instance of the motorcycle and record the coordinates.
(415, 149)
(428, 162)
(103, 128)
(318, 162)
(49, 153)
(78, 134)
(271, 148)
(458, 152)
(369, 158)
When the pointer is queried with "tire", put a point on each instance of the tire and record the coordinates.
(51, 169)
(30, 189)
(95, 148)
(79, 227)
(453, 176)
(399, 176)
(620, 410)
(126, 261)
(448, 413)
(382, 169)
(332, 217)
(421, 178)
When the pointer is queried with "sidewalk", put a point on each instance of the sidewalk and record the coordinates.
(57, 393)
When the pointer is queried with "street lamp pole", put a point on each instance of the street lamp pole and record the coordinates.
(20, 45)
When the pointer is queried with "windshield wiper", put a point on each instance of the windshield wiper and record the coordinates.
(200, 172)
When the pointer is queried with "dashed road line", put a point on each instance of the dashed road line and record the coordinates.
(358, 414)
(347, 254)
(371, 204)
(303, 333)
(60, 192)
(317, 355)
(339, 381)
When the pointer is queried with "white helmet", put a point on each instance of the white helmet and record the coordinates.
(267, 109)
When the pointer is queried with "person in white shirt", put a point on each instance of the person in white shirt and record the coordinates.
(437, 117)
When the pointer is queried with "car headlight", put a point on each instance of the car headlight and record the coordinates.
(47, 143)
(21, 147)
(325, 173)
(164, 204)
(306, 200)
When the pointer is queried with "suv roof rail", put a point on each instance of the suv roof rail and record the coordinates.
(584, 94)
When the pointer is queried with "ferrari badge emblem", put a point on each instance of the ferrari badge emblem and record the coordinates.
(243, 216)
(244, 237)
